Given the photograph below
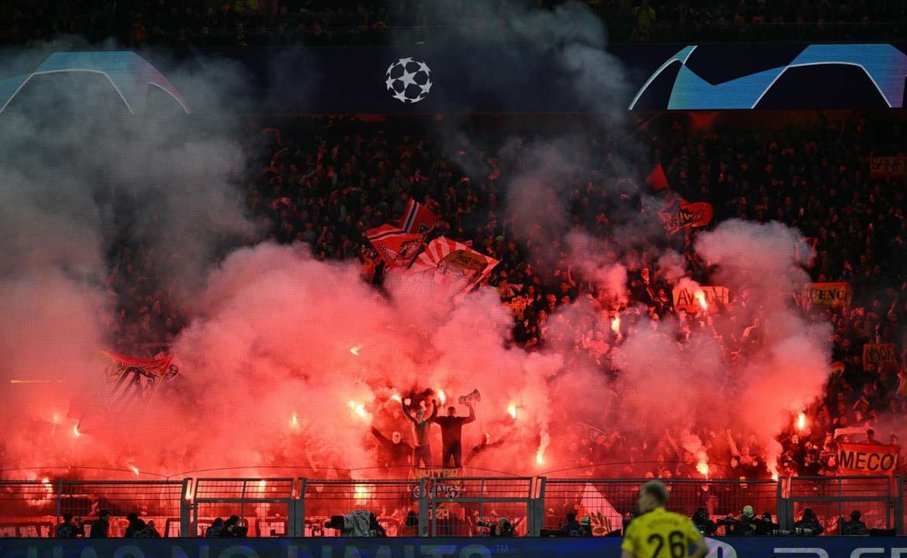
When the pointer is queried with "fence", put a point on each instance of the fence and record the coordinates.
(437, 506)
(267, 506)
(609, 502)
(880, 499)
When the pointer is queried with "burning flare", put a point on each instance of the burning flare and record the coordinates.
(442, 397)
(540, 457)
(801, 421)
(355, 350)
(511, 410)
(700, 297)
(294, 421)
(615, 324)
(396, 397)
(358, 408)
(361, 494)
(135, 470)
(75, 431)
(703, 468)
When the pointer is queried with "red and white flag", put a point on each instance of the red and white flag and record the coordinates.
(448, 262)
(395, 247)
(417, 218)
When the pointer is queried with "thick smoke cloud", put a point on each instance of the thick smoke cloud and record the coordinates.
(79, 176)
(287, 361)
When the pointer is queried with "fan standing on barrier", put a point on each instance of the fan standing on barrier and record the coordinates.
(452, 435)
(422, 451)
(658, 533)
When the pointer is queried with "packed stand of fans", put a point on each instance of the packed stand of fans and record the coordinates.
(281, 23)
(327, 187)
(324, 183)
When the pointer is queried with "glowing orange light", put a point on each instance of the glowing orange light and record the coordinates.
(540, 457)
(801, 421)
(45, 480)
(703, 468)
(56, 418)
(262, 484)
(615, 324)
(775, 476)
(358, 408)
(396, 397)
(361, 494)
(511, 410)
(135, 470)
(355, 350)
(442, 397)
(75, 431)
(700, 296)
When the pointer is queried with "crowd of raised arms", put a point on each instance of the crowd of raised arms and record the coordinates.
(281, 23)
(324, 182)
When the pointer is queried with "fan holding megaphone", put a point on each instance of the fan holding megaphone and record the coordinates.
(470, 398)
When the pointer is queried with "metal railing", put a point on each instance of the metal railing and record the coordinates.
(265, 505)
(879, 499)
(437, 505)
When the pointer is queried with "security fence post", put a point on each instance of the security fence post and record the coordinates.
(297, 520)
(899, 506)
(423, 507)
(186, 509)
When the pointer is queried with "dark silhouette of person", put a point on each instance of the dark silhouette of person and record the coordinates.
(67, 529)
(136, 528)
(232, 528)
(854, 525)
(451, 435)
(101, 526)
(398, 452)
(216, 530)
(422, 449)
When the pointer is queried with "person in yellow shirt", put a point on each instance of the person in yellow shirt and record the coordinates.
(658, 533)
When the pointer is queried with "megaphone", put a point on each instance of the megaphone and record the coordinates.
(474, 397)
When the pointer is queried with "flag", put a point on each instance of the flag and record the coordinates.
(449, 262)
(686, 215)
(135, 380)
(395, 247)
(417, 218)
(604, 517)
(658, 180)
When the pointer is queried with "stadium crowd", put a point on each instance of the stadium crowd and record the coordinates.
(325, 182)
(280, 23)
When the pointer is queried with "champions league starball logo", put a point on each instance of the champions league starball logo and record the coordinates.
(408, 80)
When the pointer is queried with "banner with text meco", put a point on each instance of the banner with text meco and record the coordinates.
(868, 459)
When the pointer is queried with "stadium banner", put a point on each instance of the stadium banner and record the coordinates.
(690, 300)
(887, 167)
(875, 354)
(868, 459)
(604, 547)
(828, 294)
(448, 75)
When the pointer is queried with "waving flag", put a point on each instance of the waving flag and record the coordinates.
(133, 380)
(395, 247)
(449, 262)
(417, 218)
(686, 215)
(657, 179)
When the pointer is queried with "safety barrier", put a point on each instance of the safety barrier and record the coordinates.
(879, 499)
(440, 505)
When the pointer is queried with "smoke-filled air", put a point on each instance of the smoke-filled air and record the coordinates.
(287, 362)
